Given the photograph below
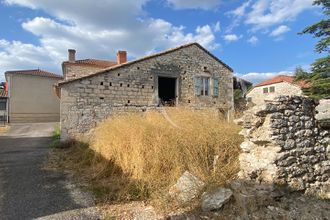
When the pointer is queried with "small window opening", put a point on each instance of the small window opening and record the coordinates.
(150, 77)
(265, 90)
(128, 101)
(205, 68)
(127, 85)
(118, 74)
(272, 89)
(110, 84)
(101, 83)
(152, 87)
(142, 86)
(188, 100)
(138, 67)
(120, 84)
(101, 98)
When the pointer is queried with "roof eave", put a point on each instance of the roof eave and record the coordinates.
(146, 58)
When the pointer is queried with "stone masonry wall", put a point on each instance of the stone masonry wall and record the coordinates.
(72, 70)
(134, 87)
(284, 144)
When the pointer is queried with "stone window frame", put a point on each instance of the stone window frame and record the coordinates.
(200, 86)
(211, 88)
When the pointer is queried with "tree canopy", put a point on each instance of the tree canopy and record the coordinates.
(319, 77)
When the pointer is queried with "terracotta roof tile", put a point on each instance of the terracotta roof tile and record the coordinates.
(3, 94)
(36, 72)
(284, 78)
(92, 62)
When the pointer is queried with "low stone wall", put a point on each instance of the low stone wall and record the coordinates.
(284, 144)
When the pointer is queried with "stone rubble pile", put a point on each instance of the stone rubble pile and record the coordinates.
(285, 144)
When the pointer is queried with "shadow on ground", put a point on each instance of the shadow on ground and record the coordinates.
(26, 190)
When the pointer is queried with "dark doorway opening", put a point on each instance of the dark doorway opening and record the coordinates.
(166, 90)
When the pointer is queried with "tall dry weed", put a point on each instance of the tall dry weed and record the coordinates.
(151, 150)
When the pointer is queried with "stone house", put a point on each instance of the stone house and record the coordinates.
(279, 85)
(187, 75)
(31, 97)
(78, 68)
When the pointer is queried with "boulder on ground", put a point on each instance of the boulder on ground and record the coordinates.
(186, 188)
(215, 200)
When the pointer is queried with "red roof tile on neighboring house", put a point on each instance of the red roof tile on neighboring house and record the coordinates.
(283, 78)
(3, 94)
(92, 62)
(36, 72)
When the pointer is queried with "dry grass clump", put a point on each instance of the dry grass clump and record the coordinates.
(154, 151)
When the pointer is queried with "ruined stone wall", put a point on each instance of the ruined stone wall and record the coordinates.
(134, 87)
(285, 144)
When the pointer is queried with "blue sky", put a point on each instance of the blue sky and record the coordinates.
(257, 38)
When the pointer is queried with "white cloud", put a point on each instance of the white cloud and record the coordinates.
(240, 11)
(263, 14)
(217, 27)
(257, 77)
(194, 4)
(96, 30)
(253, 40)
(16, 55)
(266, 13)
(237, 15)
(279, 31)
(231, 37)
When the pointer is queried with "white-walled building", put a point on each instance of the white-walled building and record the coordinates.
(279, 85)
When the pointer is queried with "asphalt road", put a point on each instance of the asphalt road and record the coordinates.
(29, 192)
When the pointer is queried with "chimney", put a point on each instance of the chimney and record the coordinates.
(72, 55)
(121, 57)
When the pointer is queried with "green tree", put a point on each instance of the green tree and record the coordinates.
(319, 77)
(300, 74)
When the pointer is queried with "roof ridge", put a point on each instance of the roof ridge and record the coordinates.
(280, 78)
(94, 59)
(148, 57)
(33, 72)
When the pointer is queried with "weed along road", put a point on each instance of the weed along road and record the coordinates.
(27, 189)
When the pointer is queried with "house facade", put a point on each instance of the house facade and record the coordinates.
(188, 76)
(31, 96)
(279, 85)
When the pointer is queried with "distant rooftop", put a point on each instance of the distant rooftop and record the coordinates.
(35, 72)
(3, 93)
(284, 78)
(92, 62)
